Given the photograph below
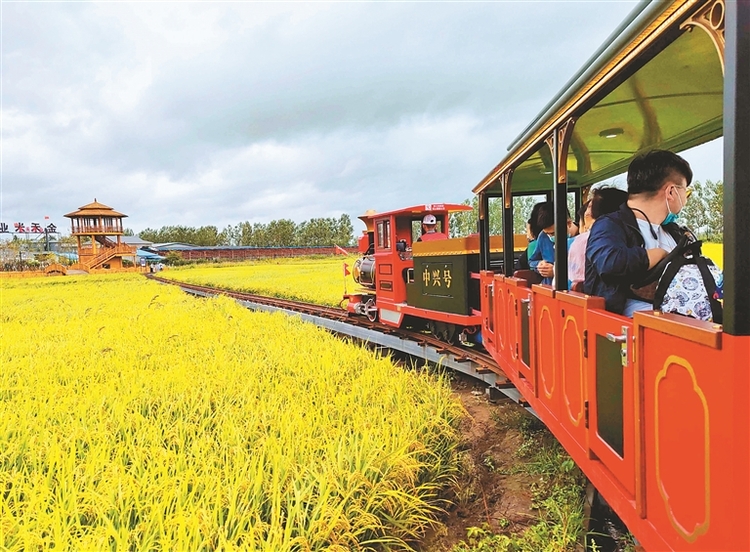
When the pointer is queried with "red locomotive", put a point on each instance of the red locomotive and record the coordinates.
(406, 276)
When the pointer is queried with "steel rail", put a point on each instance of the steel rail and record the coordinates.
(477, 364)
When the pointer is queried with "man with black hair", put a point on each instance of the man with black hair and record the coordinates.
(624, 245)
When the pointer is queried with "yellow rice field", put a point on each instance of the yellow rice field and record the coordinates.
(134, 417)
(715, 252)
(313, 280)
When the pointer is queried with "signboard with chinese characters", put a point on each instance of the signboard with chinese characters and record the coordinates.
(443, 283)
(33, 228)
(437, 279)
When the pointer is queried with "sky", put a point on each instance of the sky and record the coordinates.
(213, 113)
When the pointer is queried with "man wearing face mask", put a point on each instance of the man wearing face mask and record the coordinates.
(625, 244)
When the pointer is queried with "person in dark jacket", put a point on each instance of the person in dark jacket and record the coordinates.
(624, 245)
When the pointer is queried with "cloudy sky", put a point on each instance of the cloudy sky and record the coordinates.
(218, 112)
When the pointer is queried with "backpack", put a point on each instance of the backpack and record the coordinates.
(691, 285)
(684, 282)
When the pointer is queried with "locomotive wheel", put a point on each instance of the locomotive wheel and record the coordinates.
(371, 311)
(442, 330)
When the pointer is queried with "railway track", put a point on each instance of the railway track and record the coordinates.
(466, 360)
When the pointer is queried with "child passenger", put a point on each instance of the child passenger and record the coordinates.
(543, 258)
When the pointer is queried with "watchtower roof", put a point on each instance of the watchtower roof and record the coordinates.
(95, 209)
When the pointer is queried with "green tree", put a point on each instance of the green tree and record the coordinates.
(464, 223)
(230, 235)
(148, 234)
(704, 212)
(245, 233)
(316, 232)
(259, 235)
(205, 235)
(344, 231)
(280, 233)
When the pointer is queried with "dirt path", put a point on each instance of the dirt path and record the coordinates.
(490, 491)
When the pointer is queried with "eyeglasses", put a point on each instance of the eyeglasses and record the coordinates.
(688, 191)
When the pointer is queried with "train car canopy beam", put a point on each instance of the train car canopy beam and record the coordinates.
(737, 169)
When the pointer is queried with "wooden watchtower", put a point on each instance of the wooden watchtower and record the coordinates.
(98, 229)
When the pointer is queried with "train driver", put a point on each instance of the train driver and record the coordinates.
(625, 244)
(429, 230)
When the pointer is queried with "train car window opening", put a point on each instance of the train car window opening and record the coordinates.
(491, 308)
(384, 234)
(525, 334)
(609, 390)
(416, 229)
(522, 206)
(495, 216)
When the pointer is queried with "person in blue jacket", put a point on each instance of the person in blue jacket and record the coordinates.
(624, 245)
(542, 259)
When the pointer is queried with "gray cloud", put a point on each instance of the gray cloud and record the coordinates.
(213, 113)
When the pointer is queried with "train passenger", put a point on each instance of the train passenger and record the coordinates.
(429, 227)
(624, 245)
(603, 201)
(543, 258)
(523, 260)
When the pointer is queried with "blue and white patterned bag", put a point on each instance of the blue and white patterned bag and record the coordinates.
(691, 285)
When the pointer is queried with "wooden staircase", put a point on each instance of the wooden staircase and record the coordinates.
(107, 253)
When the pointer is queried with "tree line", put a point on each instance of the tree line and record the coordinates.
(464, 223)
(703, 213)
(277, 233)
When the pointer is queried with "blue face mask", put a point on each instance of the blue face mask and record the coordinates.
(672, 217)
(551, 238)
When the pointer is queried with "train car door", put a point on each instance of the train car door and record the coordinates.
(573, 359)
(487, 299)
(520, 331)
(500, 291)
(546, 325)
(611, 406)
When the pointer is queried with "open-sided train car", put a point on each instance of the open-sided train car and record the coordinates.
(655, 409)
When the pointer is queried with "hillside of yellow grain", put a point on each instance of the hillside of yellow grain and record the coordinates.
(134, 417)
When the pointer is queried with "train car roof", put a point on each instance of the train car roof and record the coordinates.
(420, 210)
(656, 82)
